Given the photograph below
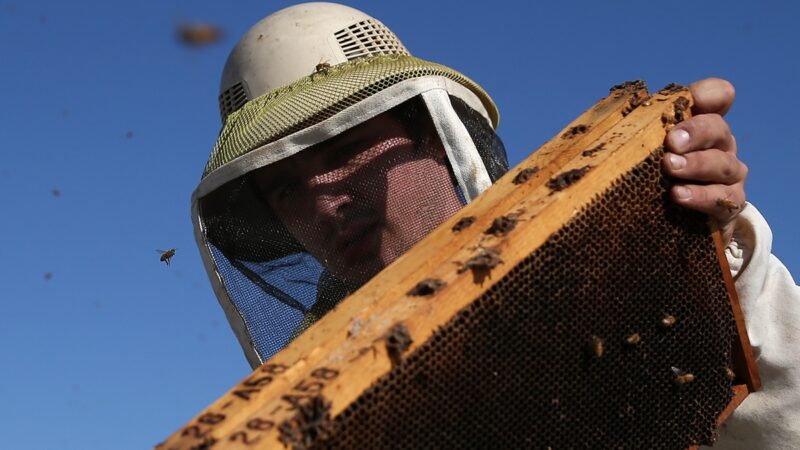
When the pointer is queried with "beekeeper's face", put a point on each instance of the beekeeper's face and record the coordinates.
(361, 199)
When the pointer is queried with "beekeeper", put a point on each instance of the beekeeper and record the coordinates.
(339, 150)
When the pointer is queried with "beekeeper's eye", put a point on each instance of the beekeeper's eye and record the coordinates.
(280, 194)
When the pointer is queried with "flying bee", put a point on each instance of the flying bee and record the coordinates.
(199, 34)
(682, 377)
(166, 255)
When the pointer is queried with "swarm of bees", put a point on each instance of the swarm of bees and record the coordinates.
(199, 34)
(166, 255)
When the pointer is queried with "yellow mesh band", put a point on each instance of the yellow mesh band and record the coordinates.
(319, 96)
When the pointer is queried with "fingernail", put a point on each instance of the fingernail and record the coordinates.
(683, 193)
(678, 139)
(676, 161)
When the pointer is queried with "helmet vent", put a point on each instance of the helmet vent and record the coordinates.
(232, 99)
(368, 37)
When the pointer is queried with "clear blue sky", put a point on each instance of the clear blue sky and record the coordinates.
(101, 102)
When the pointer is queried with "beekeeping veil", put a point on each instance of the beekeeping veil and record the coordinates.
(338, 151)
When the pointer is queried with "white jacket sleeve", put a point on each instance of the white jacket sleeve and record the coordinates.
(770, 300)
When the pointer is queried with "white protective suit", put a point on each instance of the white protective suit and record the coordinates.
(770, 300)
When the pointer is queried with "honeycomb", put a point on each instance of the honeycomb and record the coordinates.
(603, 337)
(573, 305)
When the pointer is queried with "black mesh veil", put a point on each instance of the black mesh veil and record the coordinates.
(487, 142)
(290, 240)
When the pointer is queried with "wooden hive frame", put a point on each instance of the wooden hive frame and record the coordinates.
(393, 314)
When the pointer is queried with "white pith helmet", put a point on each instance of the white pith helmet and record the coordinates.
(294, 42)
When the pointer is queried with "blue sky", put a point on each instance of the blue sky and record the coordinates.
(104, 105)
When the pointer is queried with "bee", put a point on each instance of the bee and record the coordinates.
(633, 339)
(427, 287)
(597, 347)
(321, 68)
(199, 34)
(729, 374)
(682, 377)
(397, 340)
(481, 264)
(502, 225)
(727, 204)
(166, 255)
(484, 260)
(525, 174)
(668, 321)
(463, 223)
